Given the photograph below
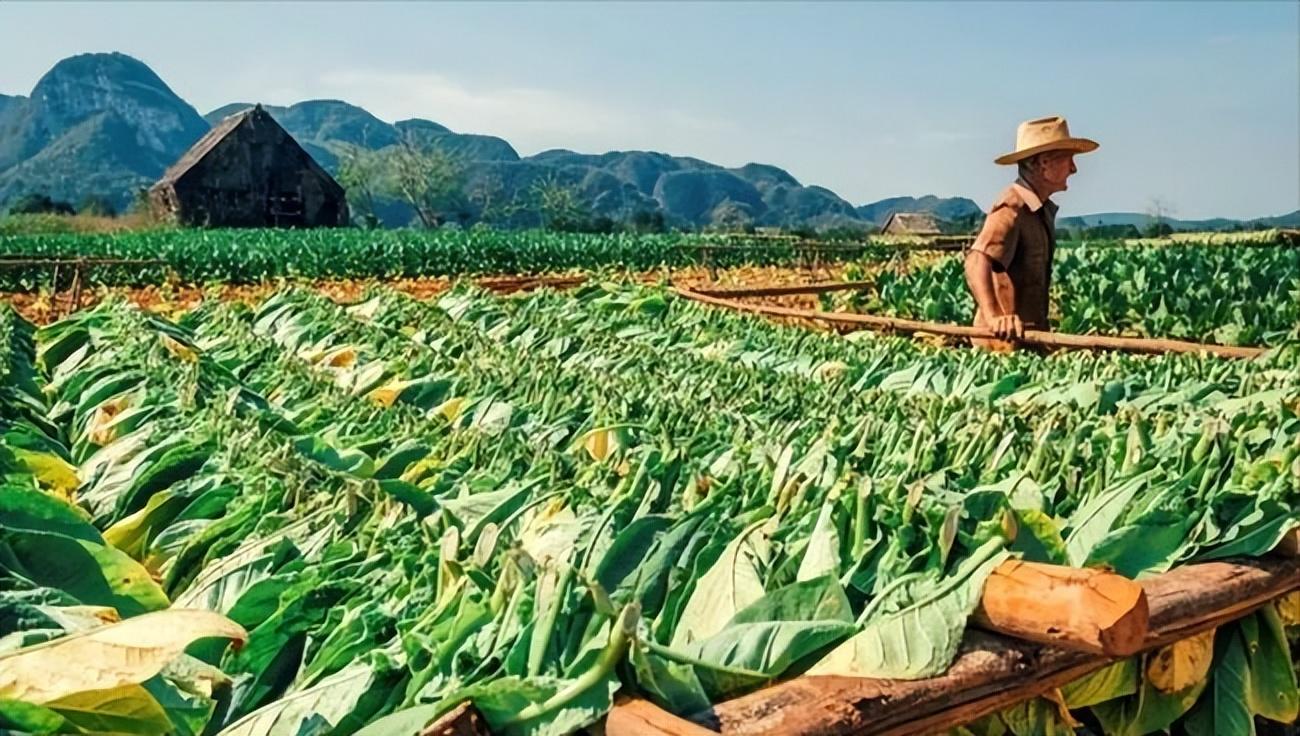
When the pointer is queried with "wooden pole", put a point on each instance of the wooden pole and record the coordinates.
(783, 290)
(991, 672)
(75, 304)
(1032, 337)
(1086, 610)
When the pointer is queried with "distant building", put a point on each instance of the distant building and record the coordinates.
(911, 223)
(249, 172)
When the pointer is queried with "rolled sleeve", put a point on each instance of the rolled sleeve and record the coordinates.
(997, 239)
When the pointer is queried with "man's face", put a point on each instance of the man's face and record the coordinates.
(1055, 169)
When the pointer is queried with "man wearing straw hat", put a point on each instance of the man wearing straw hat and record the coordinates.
(1009, 267)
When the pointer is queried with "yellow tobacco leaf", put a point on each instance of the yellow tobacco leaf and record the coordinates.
(386, 395)
(176, 348)
(343, 357)
(100, 429)
(449, 408)
(1288, 608)
(52, 472)
(120, 654)
(1182, 664)
(601, 443)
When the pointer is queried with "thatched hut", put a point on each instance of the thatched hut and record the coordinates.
(911, 223)
(249, 172)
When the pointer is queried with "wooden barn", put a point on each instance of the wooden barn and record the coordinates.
(249, 172)
(911, 223)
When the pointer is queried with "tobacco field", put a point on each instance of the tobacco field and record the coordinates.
(1213, 294)
(308, 517)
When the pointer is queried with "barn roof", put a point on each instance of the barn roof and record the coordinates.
(916, 223)
(199, 150)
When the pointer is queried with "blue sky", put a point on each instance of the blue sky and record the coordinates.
(1197, 103)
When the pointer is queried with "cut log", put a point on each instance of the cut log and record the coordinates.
(1041, 338)
(991, 672)
(637, 717)
(1088, 610)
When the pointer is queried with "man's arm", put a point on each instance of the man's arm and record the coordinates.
(992, 252)
(979, 279)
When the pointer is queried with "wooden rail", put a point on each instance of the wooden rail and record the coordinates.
(821, 287)
(1040, 338)
(992, 672)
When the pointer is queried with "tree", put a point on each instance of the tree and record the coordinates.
(360, 173)
(487, 195)
(1158, 229)
(40, 204)
(559, 205)
(426, 179)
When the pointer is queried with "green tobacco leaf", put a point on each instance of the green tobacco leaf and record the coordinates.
(93, 573)
(1108, 683)
(1037, 538)
(352, 462)
(921, 639)
(629, 550)
(20, 717)
(26, 509)
(673, 685)
(403, 722)
(336, 702)
(1224, 710)
(731, 584)
(502, 700)
(822, 555)
(126, 709)
(1272, 692)
(1093, 521)
(1150, 546)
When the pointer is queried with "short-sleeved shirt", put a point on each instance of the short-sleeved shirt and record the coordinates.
(1019, 234)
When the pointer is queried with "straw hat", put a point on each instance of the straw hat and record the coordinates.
(1044, 134)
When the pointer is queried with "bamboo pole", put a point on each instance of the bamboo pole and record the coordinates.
(1041, 338)
(992, 672)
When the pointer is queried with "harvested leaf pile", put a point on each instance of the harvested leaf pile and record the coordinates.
(534, 503)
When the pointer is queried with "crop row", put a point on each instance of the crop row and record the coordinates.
(543, 500)
(251, 256)
(1212, 294)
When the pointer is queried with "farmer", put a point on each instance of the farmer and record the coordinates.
(1009, 268)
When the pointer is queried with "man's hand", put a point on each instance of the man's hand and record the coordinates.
(1008, 327)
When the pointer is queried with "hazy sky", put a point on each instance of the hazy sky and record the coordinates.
(1196, 103)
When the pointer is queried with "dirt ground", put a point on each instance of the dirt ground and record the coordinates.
(172, 300)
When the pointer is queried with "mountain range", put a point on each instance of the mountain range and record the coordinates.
(107, 125)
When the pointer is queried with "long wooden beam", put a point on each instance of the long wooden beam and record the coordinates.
(992, 672)
(1032, 337)
(822, 287)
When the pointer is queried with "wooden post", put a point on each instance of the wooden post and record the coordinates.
(76, 289)
(1085, 610)
(54, 293)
